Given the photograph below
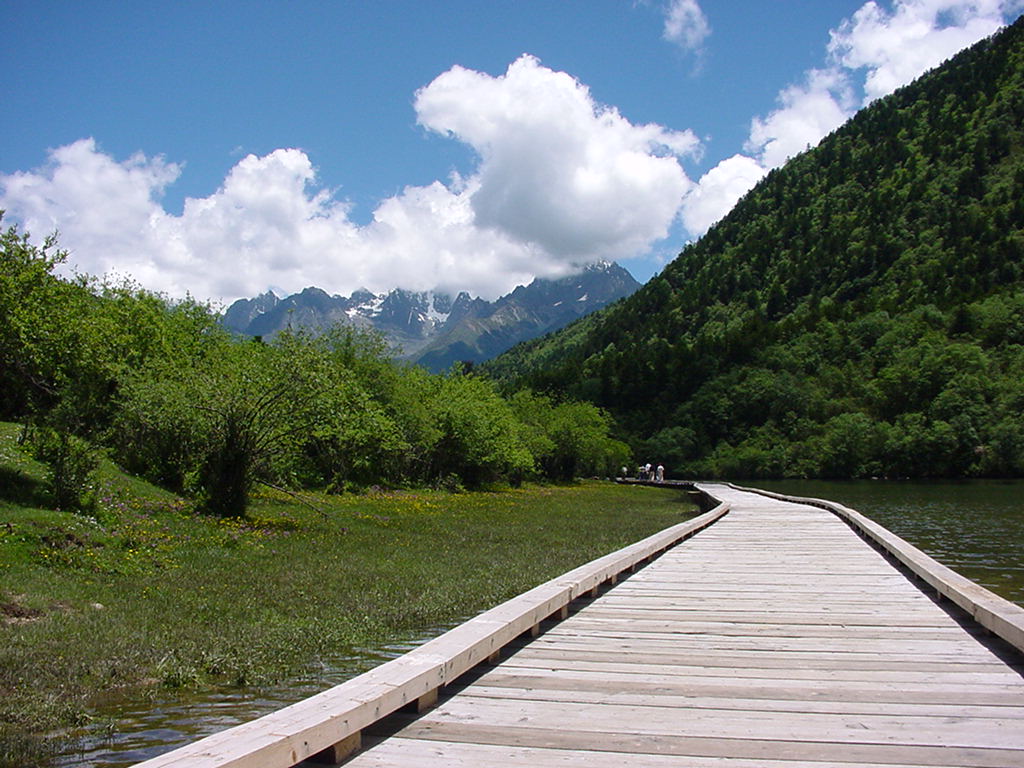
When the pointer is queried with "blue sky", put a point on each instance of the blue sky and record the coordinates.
(226, 148)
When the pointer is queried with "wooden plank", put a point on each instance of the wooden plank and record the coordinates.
(736, 616)
(638, 746)
(779, 680)
(803, 690)
(668, 655)
(614, 695)
(850, 632)
(857, 728)
(936, 674)
(428, 753)
(862, 645)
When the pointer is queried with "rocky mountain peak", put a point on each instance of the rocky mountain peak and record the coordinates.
(436, 329)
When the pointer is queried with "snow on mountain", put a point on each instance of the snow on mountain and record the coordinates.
(436, 329)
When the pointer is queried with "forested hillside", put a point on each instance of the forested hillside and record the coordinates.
(860, 312)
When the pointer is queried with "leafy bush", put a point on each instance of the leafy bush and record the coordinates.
(480, 438)
(73, 463)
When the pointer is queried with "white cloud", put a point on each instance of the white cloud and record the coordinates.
(718, 190)
(269, 225)
(247, 235)
(105, 208)
(895, 47)
(569, 177)
(808, 112)
(869, 56)
(427, 238)
(685, 24)
(562, 181)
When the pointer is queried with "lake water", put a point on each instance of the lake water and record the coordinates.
(128, 732)
(974, 527)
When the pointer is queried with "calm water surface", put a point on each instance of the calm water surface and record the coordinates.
(129, 732)
(976, 528)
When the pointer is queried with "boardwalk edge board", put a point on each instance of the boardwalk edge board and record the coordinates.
(327, 726)
(996, 614)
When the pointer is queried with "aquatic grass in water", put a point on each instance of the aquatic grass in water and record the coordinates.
(147, 598)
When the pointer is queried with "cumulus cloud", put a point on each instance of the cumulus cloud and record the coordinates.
(808, 112)
(685, 24)
(895, 47)
(869, 56)
(110, 218)
(561, 181)
(64, 195)
(270, 224)
(718, 190)
(574, 179)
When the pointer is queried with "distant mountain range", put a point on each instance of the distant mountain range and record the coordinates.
(435, 329)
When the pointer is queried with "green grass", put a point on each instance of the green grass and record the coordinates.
(146, 595)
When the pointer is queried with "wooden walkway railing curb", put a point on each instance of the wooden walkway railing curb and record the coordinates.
(327, 726)
(996, 614)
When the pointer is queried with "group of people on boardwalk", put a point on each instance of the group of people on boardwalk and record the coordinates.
(649, 473)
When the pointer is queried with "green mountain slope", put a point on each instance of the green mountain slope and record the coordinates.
(860, 312)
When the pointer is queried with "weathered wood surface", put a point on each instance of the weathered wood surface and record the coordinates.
(995, 614)
(776, 638)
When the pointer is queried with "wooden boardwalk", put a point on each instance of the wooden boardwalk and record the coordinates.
(776, 637)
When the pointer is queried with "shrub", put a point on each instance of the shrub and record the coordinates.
(73, 463)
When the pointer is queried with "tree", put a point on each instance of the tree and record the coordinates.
(38, 328)
(570, 439)
(480, 438)
(232, 417)
(851, 446)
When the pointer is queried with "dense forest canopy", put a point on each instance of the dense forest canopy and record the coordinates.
(859, 313)
(171, 395)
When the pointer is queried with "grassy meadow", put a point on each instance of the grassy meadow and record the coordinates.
(144, 594)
